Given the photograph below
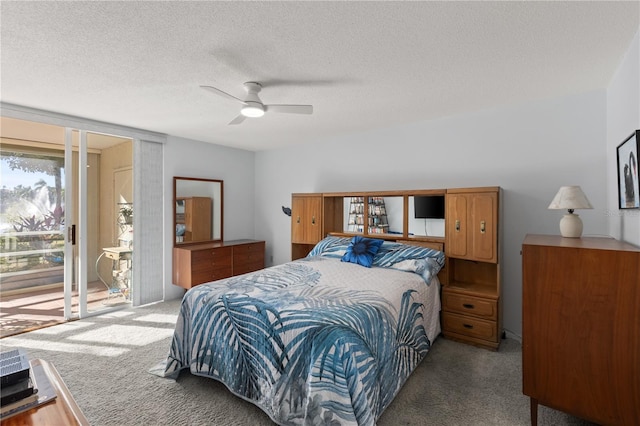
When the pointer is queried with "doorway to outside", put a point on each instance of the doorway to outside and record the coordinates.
(65, 214)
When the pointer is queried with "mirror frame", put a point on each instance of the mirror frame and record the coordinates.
(220, 212)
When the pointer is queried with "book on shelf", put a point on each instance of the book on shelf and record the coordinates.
(43, 392)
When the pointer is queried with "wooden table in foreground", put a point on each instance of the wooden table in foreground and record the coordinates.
(61, 411)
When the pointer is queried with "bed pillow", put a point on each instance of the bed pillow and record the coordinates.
(423, 261)
(331, 246)
(361, 251)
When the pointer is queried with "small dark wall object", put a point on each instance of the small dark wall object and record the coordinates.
(286, 210)
(429, 207)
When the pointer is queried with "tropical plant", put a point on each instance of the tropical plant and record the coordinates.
(28, 162)
(126, 212)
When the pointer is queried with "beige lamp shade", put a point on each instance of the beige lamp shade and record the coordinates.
(570, 198)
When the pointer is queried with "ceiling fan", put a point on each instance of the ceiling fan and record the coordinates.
(253, 106)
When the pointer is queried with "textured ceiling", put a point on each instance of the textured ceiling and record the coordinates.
(362, 65)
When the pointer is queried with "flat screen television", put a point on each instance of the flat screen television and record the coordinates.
(428, 206)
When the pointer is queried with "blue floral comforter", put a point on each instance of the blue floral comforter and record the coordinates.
(314, 341)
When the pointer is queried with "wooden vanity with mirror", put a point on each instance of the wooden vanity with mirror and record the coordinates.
(200, 253)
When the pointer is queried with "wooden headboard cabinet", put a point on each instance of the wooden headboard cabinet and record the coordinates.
(471, 294)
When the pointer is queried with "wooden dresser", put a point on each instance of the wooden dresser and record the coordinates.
(581, 327)
(202, 263)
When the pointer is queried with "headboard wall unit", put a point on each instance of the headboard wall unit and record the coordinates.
(471, 294)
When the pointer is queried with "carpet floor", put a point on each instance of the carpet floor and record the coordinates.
(105, 360)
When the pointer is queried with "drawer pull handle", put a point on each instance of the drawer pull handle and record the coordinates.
(467, 326)
(313, 220)
(482, 226)
(468, 305)
(458, 225)
(298, 220)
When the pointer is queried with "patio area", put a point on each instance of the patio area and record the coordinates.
(39, 308)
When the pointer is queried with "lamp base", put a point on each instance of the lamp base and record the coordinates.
(571, 226)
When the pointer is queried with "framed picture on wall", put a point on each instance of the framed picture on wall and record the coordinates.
(628, 190)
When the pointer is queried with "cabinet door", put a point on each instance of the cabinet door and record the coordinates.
(306, 219)
(313, 218)
(456, 225)
(482, 226)
(297, 212)
(471, 226)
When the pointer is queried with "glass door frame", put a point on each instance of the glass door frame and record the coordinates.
(75, 265)
(76, 249)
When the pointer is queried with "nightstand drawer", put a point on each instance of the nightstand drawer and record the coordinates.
(470, 305)
(468, 326)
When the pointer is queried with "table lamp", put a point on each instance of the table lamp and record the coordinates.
(570, 198)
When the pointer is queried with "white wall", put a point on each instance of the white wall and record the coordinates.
(623, 117)
(529, 150)
(189, 158)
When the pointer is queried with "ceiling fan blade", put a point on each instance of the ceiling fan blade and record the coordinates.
(239, 119)
(221, 93)
(293, 109)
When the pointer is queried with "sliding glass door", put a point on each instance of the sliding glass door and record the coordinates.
(100, 239)
(31, 229)
(66, 238)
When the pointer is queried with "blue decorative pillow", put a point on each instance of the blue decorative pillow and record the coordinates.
(362, 250)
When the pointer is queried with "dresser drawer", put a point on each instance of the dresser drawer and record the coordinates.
(469, 326)
(248, 249)
(248, 259)
(210, 260)
(200, 277)
(470, 305)
(248, 267)
(204, 255)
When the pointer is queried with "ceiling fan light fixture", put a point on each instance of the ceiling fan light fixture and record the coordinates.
(252, 110)
(252, 106)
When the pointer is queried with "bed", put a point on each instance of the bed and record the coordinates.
(330, 338)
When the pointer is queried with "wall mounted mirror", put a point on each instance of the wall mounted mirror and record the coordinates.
(197, 210)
